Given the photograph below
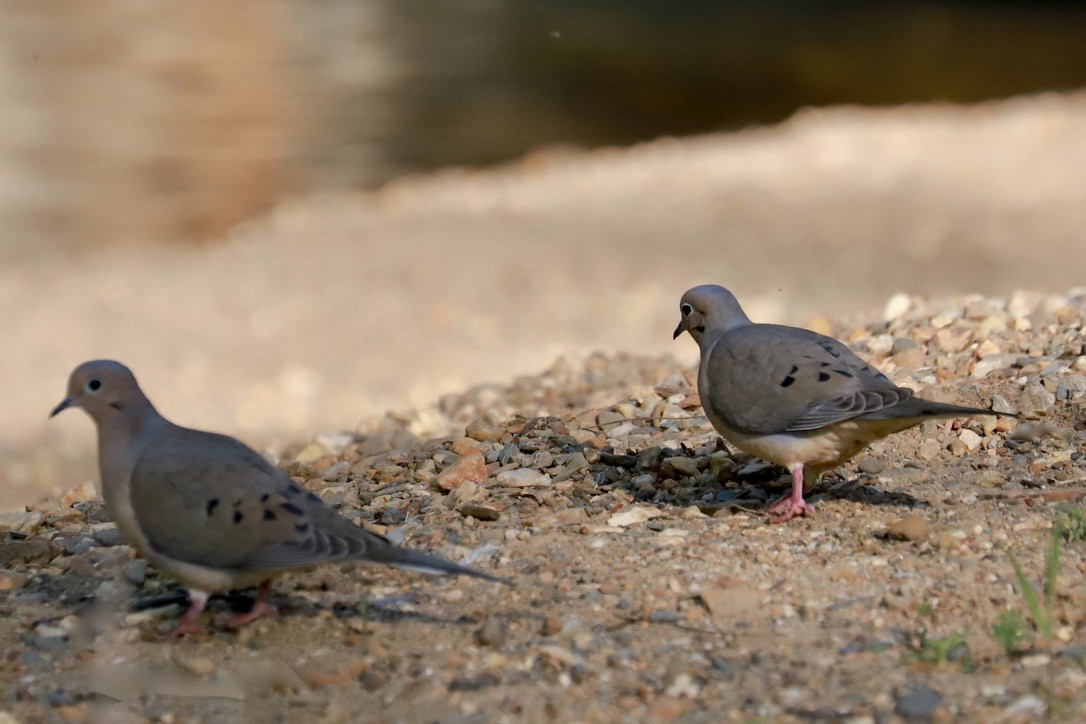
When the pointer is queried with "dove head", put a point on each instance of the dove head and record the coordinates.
(709, 308)
(104, 389)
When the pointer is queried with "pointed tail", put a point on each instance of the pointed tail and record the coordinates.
(916, 407)
(425, 563)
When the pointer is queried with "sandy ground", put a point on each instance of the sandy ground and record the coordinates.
(332, 309)
(649, 586)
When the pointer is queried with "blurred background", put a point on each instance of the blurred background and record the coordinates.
(287, 216)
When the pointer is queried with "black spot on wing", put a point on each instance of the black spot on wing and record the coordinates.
(264, 498)
(211, 504)
(292, 509)
(268, 515)
(302, 527)
(787, 381)
(238, 516)
(312, 498)
(843, 373)
(822, 376)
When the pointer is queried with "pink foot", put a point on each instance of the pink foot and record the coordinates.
(260, 608)
(794, 509)
(187, 623)
(793, 503)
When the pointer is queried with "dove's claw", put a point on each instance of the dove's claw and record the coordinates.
(187, 623)
(260, 608)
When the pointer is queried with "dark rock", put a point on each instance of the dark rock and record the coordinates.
(920, 704)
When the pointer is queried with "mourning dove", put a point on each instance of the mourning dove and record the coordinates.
(208, 510)
(791, 396)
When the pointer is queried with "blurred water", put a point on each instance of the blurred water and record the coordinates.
(130, 122)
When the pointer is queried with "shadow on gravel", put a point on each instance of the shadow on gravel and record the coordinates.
(857, 492)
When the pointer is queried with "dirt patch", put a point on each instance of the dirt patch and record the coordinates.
(649, 584)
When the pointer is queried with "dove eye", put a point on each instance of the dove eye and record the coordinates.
(686, 309)
(93, 384)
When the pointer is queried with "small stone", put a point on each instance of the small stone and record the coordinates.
(136, 572)
(466, 492)
(632, 514)
(32, 550)
(11, 581)
(1035, 401)
(464, 444)
(571, 516)
(310, 453)
(896, 307)
(552, 625)
(1028, 706)
(970, 439)
(25, 523)
(1070, 388)
(482, 432)
(493, 632)
(479, 511)
(609, 419)
(871, 466)
(107, 537)
(912, 527)
(81, 493)
(470, 467)
(522, 478)
(683, 465)
(920, 704)
(928, 449)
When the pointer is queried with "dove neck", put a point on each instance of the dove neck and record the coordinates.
(133, 420)
(707, 336)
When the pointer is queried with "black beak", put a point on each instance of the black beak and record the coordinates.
(64, 405)
(678, 330)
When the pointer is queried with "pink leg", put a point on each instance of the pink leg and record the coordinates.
(792, 504)
(260, 608)
(187, 623)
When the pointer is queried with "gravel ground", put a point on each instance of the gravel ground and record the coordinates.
(336, 308)
(649, 584)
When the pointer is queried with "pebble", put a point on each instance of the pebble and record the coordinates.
(522, 478)
(928, 449)
(912, 527)
(136, 572)
(469, 467)
(970, 439)
(481, 512)
(683, 465)
(871, 466)
(12, 581)
(920, 704)
(23, 523)
(107, 537)
(482, 432)
(82, 493)
(493, 632)
(633, 514)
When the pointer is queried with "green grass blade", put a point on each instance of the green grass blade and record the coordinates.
(1040, 620)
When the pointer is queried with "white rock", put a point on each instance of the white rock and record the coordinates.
(21, 523)
(633, 514)
(522, 478)
(971, 439)
(896, 306)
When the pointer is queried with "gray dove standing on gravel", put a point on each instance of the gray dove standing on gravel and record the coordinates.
(791, 396)
(208, 510)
